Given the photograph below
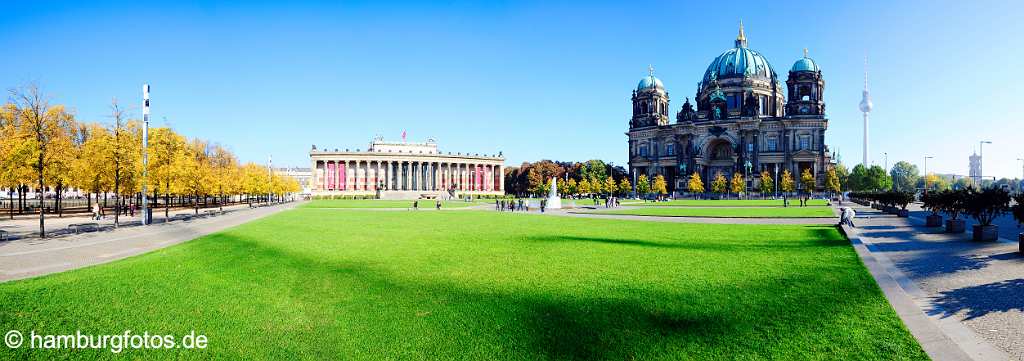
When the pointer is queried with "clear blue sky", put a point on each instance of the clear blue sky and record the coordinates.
(542, 80)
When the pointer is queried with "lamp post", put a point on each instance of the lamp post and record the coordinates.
(746, 178)
(926, 173)
(776, 185)
(886, 154)
(1021, 169)
(145, 159)
(981, 160)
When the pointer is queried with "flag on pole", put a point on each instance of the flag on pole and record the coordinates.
(403, 135)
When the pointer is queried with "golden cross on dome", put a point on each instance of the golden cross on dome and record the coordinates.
(805, 52)
(650, 69)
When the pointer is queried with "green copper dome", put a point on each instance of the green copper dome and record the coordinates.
(805, 64)
(650, 82)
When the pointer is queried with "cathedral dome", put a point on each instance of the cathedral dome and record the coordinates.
(805, 64)
(649, 82)
(739, 62)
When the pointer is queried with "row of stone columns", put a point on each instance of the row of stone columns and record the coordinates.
(363, 175)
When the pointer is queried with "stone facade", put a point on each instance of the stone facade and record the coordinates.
(400, 170)
(741, 117)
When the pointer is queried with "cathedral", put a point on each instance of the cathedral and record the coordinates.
(739, 121)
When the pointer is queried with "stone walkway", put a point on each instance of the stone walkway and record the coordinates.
(30, 257)
(596, 213)
(973, 291)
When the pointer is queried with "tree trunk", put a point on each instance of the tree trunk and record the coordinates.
(58, 203)
(195, 203)
(42, 223)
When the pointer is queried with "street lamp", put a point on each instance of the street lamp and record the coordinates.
(886, 154)
(776, 185)
(981, 159)
(746, 178)
(926, 173)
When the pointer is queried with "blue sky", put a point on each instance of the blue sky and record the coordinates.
(535, 80)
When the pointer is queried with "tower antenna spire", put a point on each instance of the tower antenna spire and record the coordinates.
(650, 70)
(741, 39)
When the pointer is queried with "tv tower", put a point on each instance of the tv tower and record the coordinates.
(865, 108)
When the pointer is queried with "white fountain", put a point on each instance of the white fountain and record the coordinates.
(554, 201)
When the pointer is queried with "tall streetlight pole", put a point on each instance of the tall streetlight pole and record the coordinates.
(886, 154)
(145, 159)
(981, 160)
(1022, 174)
(776, 185)
(926, 173)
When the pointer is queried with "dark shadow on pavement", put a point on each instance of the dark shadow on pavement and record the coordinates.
(977, 301)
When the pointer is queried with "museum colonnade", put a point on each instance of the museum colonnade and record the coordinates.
(369, 175)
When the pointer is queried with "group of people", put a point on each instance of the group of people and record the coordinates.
(513, 205)
(416, 204)
(803, 201)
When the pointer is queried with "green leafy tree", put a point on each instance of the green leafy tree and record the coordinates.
(877, 180)
(571, 188)
(904, 177)
(593, 169)
(858, 181)
(844, 176)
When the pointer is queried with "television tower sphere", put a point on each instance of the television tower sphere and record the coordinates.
(865, 102)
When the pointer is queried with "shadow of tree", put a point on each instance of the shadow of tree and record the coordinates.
(932, 258)
(980, 300)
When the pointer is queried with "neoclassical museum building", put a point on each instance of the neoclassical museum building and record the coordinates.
(740, 120)
(400, 170)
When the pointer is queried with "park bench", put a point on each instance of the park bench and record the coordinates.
(181, 217)
(78, 227)
(4, 235)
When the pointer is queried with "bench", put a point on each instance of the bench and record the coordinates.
(78, 227)
(181, 217)
(4, 235)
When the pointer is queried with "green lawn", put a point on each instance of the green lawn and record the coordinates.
(726, 202)
(383, 203)
(742, 212)
(306, 284)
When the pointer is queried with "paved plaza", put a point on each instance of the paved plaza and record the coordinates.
(979, 285)
(31, 256)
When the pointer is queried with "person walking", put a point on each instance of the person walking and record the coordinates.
(543, 202)
(96, 211)
(497, 205)
(438, 204)
(416, 205)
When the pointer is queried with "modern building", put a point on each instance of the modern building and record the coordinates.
(739, 119)
(400, 170)
(301, 175)
(974, 170)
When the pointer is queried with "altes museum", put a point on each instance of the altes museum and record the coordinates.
(400, 170)
(739, 121)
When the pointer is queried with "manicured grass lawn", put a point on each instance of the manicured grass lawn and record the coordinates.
(307, 284)
(745, 212)
(726, 202)
(384, 203)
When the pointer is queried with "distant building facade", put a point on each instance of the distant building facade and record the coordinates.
(400, 170)
(301, 175)
(974, 168)
(739, 117)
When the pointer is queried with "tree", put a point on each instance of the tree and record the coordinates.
(737, 184)
(877, 180)
(660, 186)
(596, 185)
(223, 165)
(570, 187)
(858, 179)
(43, 131)
(583, 186)
(695, 184)
(643, 185)
(719, 185)
(166, 151)
(609, 185)
(933, 182)
(832, 181)
(625, 187)
(125, 156)
(767, 184)
(844, 176)
(807, 180)
(786, 183)
(904, 177)
(534, 180)
(593, 169)
(199, 180)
